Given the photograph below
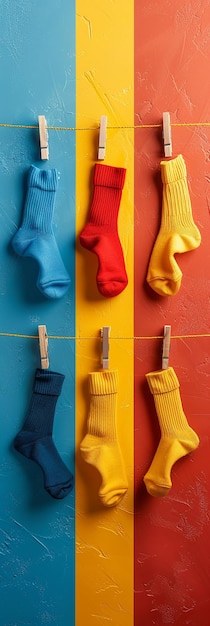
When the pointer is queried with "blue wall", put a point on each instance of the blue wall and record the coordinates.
(37, 55)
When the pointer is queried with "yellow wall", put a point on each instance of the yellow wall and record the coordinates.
(104, 537)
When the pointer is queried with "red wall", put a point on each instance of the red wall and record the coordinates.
(172, 51)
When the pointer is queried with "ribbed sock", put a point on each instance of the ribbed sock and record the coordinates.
(35, 237)
(100, 234)
(35, 439)
(178, 232)
(177, 438)
(100, 447)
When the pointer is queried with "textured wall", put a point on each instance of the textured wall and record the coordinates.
(172, 48)
(37, 533)
(74, 562)
(104, 562)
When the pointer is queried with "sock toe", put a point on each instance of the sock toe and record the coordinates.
(60, 491)
(112, 498)
(156, 490)
(54, 289)
(113, 288)
(165, 286)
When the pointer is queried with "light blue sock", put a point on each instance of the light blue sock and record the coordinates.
(35, 237)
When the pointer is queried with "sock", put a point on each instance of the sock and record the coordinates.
(35, 439)
(35, 237)
(177, 234)
(177, 438)
(100, 234)
(100, 446)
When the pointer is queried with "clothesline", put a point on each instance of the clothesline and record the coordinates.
(91, 128)
(116, 338)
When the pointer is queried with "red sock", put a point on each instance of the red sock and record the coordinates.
(100, 233)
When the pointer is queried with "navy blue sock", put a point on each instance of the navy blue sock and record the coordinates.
(35, 237)
(35, 439)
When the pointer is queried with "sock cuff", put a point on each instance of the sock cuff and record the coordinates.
(174, 170)
(46, 180)
(109, 176)
(162, 381)
(103, 383)
(47, 382)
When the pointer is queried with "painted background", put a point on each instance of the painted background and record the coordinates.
(37, 50)
(172, 535)
(70, 562)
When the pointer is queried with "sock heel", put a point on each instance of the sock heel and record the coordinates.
(91, 237)
(21, 245)
(192, 443)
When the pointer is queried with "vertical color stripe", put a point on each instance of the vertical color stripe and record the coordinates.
(104, 79)
(171, 533)
(37, 539)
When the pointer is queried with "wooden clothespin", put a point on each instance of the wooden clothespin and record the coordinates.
(43, 138)
(166, 347)
(43, 346)
(102, 138)
(167, 141)
(105, 332)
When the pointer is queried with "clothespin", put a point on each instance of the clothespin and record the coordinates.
(166, 347)
(43, 138)
(102, 138)
(43, 346)
(105, 332)
(167, 141)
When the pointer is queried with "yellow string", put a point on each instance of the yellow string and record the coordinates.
(135, 126)
(57, 128)
(73, 338)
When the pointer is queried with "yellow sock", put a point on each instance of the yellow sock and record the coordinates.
(177, 438)
(178, 232)
(100, 446)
